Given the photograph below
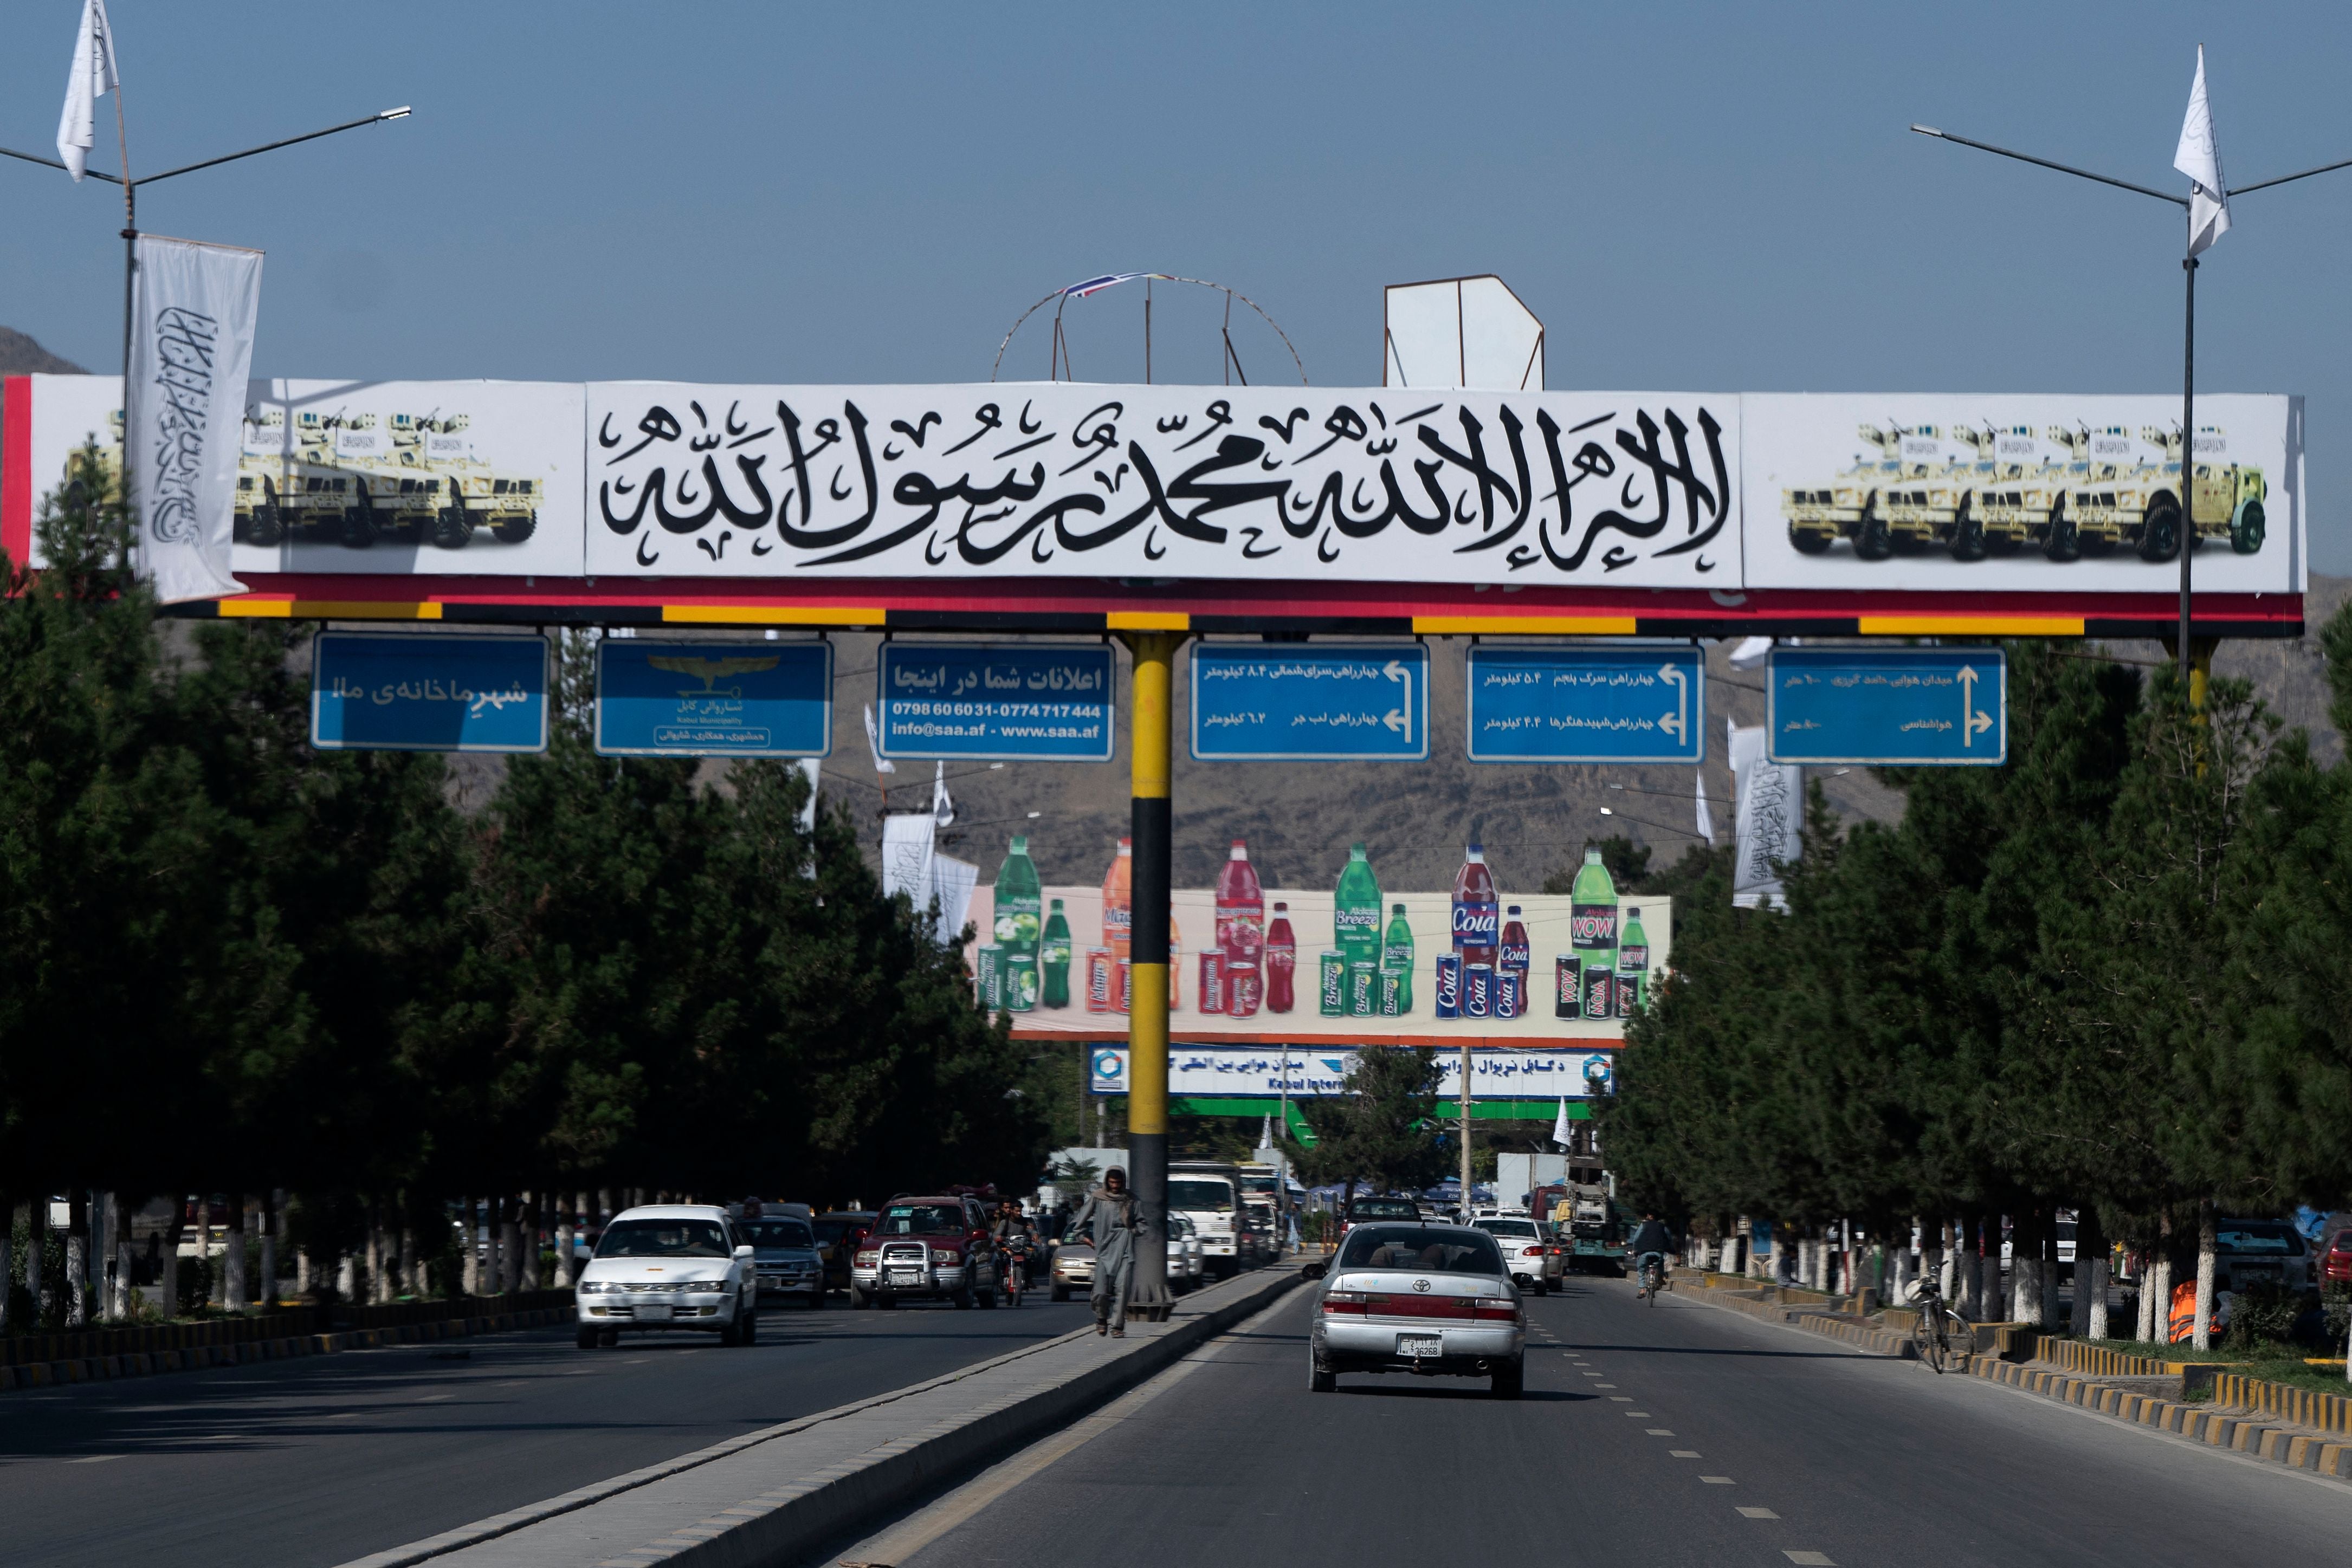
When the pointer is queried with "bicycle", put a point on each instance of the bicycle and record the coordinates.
(1943, 1339)
(1654, 1278)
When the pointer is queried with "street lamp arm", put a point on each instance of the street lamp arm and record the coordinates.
(266, 147)
(2283, 179)
(53, 164)
(2062, 168)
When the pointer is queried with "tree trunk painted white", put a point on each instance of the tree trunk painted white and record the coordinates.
(510, 1245)
(494, 1249)
(36, 1259)
(470, 1260)
(408, 1261)
(2206, 1251)
(173, 1229)
(370, 1260)
(347, 1275)
(563, 1268)
(217, 1276)
(124, 1292)
(233, 1260)
(77, 1260)
(2159, 1281)
(273, 1219)
(2144, 1320)
(305, 1273)
(2049, 1318)
(530, 1234)
(2095, 1321)
(7, 1261)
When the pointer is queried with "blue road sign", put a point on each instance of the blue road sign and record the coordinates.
(1013, 702)
(1888, 706)
(713, 699)
(394, 692)
(1310, 703)
(1591, 703)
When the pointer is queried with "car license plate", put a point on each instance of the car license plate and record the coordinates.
(1421, 1345)
(653, 1311)
(906, 1277)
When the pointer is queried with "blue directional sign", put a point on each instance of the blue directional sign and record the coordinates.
(1888, 706)
(1595, 703)
(394, 692)
(1310, 703)
(713, 699)
(1018, 703)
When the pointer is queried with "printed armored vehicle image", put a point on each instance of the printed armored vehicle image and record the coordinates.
(474, 494)
(2229, 497)
(416, 480)
(1850, 508)
(2111, 503)
(2010, 502)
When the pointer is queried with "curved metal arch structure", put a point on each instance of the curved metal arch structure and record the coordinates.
(1059, 367)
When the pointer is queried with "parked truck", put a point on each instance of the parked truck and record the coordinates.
(1589, 1220)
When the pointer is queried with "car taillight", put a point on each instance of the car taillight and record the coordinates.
(1346, 1302)
(1531, 1252)
(1495, 1310)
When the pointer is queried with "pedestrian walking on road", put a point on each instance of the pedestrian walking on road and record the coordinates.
(1107, 1221)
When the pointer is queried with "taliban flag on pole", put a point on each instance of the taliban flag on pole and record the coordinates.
(91, 79)
(192, 312)
(2199, 156)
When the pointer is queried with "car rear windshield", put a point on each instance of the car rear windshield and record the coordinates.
(1384, 1209)
(663, 1239)
(778, 1233)
(1508, 1227)
(833, 1227)
(1214, 1196)
(1441, 1251)
(2245, 1238)
(920, 1219)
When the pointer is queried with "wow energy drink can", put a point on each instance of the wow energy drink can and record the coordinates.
(1600, 989)
(1448, 990)
(1331, 994)
(1567, 995)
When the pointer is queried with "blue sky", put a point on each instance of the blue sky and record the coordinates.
(1702, 197)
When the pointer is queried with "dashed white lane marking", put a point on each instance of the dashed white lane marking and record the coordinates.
(1620, 1399)
(1655, 1431)
(1683, 1453)
(429, 1398)
(1604, 1386)
(1809, 1559)
(1596, 1374)
(1719, 1481)
(1758, 1513)
(95, 1459)
(1639, 1414)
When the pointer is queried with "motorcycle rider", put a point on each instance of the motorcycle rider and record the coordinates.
(1013, 1237)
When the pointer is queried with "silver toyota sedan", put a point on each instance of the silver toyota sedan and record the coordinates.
(1433, 1299)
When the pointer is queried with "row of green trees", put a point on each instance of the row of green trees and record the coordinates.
(2115, 974)
(235, 964)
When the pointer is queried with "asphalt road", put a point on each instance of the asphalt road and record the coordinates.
(328, 1458)
(1678, 1434)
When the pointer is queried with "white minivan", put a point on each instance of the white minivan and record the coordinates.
(669, 1266)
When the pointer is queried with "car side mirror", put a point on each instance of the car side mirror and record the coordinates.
(1312, 1270)
(744, 1253)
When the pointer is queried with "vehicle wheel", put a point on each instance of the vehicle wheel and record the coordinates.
(268, 526)
(1871, 538)
(1061, 1293)
(988, 1298)
(859, 1299)
(2159, 530)
(2063, 543)
(749, 1332)
(514, 530)
(964, 1298)
(1321, 1379)
(1508, 1381)
(1967, 533)
(816, 1301)
(452, 529)
(359, 529)
(2245, 528)
(886, 1302)
(1807, 541)
(731, 1335)
(587, 1338)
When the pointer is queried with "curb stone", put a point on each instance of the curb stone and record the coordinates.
(2237, 1430)
(140, 1364)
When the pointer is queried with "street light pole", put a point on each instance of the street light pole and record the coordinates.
(2188, 525)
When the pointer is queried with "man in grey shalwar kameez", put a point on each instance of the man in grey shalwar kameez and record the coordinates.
(1108, 1221)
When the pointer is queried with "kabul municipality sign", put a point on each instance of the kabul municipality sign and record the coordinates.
(713, 699)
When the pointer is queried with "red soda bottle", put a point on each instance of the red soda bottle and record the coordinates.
(1281, 963)
(1240, 930)
(1477, 910)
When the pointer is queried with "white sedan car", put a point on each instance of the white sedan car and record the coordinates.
(1526, 1250)
(1432, 1300)
(669, 1266)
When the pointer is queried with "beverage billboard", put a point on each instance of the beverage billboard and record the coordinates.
(1354, 961)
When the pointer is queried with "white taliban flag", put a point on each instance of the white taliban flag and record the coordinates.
(193, 309)
(1769, 816)
(1705, 818)
(2200, 158)
(1560, 1133)
(942, 803)
(93, 77)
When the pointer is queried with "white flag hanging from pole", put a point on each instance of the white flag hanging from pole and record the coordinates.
(93, 77)
(194, 307)
(1560, 1131)
(873, 744)
(2200, 158)
(1770, 813)
(1705, 818)
(942, 803)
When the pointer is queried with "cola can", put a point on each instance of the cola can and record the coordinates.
(1600, 992)
(1244, 992)
(1477, 990)
(1363, 990)
(1392, 998)
(1212, 982)
(1568, 998)
(990, 975)
(1098, 979)
(1448, 997)
(1332, 994)
(1510, 993)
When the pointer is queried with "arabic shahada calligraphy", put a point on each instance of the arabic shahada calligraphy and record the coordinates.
(1366, 485)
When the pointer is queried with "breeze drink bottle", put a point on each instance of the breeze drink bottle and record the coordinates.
(1281, 963)
(1240, 931)
(1592, 933)
(1356, 929)
(1396, 960)
(1019, 924)
(1054, 957)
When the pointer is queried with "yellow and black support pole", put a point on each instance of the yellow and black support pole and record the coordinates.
(1150, 728)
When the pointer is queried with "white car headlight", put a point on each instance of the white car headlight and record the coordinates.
(594, 1287)
(703, 1287)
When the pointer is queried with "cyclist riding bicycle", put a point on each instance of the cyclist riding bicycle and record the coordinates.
(1651, 1244)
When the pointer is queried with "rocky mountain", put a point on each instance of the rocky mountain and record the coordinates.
(20, 356)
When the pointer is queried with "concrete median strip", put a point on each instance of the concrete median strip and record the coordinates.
(784, 1490)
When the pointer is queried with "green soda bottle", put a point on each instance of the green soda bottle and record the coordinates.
(1396, 958)
(1592, 933)
(1019, 905)
(1356, 912)
(1632, 966)
(1054, 957)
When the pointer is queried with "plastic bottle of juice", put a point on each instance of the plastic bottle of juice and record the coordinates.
(1118, 907)
(1019, 924)
(1240, 931)
(1281, 963)
(1054, 957)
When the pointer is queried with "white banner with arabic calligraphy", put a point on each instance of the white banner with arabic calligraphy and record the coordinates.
(1225, 1071)
(1388, 486)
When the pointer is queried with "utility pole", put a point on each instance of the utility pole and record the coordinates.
(1150, 734)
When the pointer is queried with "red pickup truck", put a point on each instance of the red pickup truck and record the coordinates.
(925, 1248)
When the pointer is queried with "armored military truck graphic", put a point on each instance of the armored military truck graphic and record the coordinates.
(2013, 497)
(2228, 496)
(1908, 499)
(354, 480)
